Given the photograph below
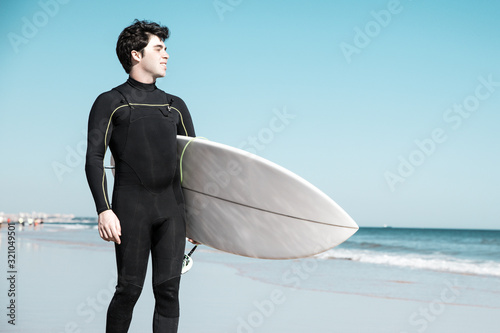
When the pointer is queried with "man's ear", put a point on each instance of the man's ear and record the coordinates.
(136, 56)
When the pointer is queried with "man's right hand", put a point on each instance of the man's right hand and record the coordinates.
(109, 226)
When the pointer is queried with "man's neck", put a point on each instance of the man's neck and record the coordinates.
(142, 77)
(141, 86)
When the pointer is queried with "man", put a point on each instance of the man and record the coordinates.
(139, 122)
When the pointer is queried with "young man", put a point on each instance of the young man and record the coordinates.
(139, 123)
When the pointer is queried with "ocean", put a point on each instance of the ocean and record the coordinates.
(475, 252)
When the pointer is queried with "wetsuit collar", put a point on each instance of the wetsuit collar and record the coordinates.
(141, 86)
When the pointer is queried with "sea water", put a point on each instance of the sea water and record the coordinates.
(475, 252)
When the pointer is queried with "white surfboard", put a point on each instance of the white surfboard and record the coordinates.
(241, 203)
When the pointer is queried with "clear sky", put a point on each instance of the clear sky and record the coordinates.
(392, 108)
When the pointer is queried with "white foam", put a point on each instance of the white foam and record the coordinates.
(430, 262)
(55, 227)
(77, 226)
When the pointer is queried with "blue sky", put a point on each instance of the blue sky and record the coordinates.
(389, 107)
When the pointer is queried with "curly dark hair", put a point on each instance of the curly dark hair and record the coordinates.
(136, 37)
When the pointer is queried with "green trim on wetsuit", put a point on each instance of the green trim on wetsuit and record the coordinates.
(108, 206)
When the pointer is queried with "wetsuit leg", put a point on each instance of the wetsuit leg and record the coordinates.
(131, 255)
(150, 223)
(167, 251)
(166, 314)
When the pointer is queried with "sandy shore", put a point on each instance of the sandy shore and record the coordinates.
(65, 278)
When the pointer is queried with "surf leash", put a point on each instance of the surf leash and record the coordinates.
(187, 262)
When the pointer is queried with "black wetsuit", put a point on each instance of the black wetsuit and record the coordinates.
(139, 123)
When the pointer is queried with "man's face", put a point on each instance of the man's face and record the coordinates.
(154, 58)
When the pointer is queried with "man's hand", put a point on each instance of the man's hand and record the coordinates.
(109, 226)
(193, 241)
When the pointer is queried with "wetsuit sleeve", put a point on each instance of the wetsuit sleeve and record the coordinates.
(185, 124)
(99, 133)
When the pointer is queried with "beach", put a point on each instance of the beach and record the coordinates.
(64, 276)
